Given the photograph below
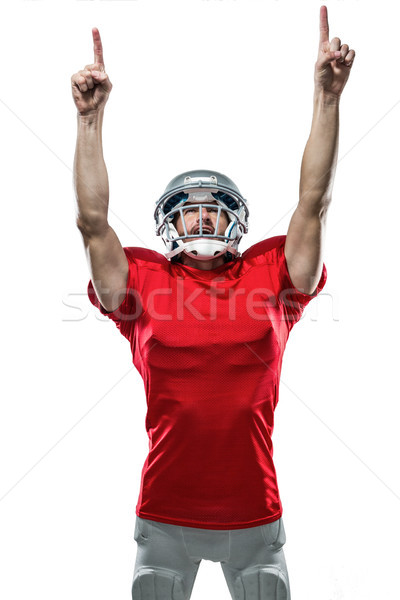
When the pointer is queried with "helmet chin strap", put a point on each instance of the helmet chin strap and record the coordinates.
(206, 249)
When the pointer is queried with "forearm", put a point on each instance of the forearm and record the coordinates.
(90, 173)
(320, 155)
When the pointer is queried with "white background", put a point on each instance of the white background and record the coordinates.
(224, 85)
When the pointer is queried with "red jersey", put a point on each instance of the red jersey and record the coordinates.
(209, 347)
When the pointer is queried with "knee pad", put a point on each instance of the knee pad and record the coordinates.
(157, 584)
(262, 582)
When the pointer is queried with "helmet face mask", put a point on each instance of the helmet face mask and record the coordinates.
(194, 191)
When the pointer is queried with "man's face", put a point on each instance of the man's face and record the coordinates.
(208, 216)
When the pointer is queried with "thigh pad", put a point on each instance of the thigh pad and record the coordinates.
(262, 582)
(157, 584)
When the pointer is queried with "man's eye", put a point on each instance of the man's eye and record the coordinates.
(190, 210)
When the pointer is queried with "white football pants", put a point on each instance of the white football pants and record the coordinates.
(168, 558)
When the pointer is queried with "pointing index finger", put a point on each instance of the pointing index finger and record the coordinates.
(323, 25)
(97, 46)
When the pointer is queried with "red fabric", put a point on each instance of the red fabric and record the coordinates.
(209, 346)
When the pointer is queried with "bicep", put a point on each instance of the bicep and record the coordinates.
(303, 249)
(108, 266)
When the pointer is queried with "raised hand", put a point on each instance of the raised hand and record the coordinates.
(334, 61)
(91, 86)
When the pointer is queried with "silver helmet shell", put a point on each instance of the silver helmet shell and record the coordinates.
(202, 186)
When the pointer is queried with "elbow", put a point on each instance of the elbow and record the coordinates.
(90, 225)
(315, 209)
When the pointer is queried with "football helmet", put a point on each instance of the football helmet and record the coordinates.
(197, 189)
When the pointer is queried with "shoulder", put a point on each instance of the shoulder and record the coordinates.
(270, 245)
(144, 256)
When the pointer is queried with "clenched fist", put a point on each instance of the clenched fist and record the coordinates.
(91, 86)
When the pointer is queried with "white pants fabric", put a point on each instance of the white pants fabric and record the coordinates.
(252, 560)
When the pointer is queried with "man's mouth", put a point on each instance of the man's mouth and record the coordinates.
(205, 230)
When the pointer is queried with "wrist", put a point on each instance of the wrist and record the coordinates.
(325, 98)
(91, 118)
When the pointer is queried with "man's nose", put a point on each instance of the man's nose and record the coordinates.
(204, 213)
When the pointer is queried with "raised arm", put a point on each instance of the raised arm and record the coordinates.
(106, 258)
(305, 237)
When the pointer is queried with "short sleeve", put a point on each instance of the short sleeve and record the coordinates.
(126, 314)
(293, 300)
